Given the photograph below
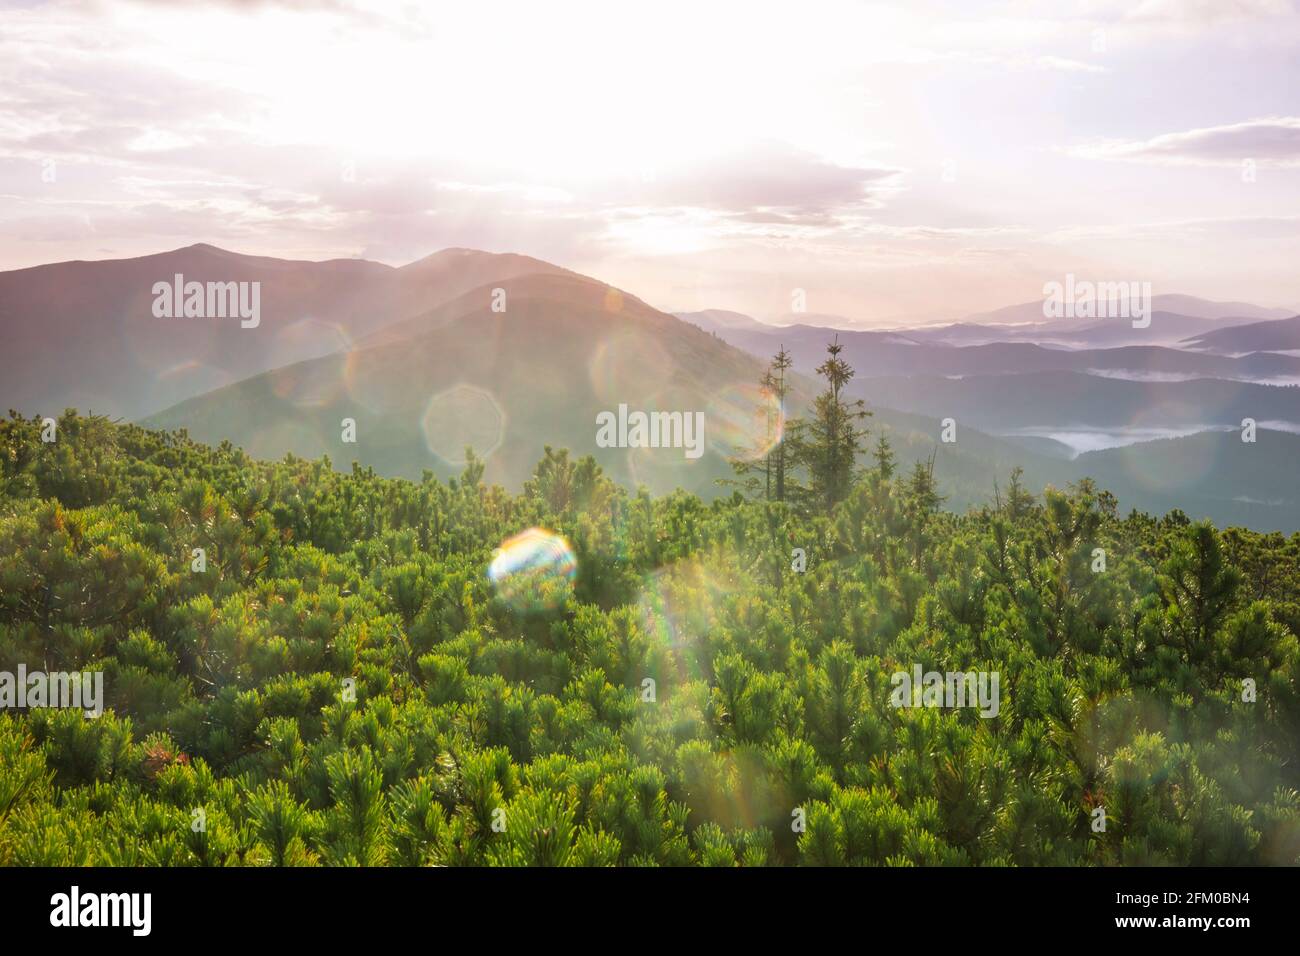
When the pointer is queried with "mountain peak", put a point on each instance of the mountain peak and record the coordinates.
(460, 255)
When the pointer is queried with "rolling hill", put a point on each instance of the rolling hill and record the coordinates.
(895, 353)
(565, 349)
(1188, 305)
(1276, 335)
(716, 320)
(509, 383)
(1208, 475)
(1000, 403)
(83, 334)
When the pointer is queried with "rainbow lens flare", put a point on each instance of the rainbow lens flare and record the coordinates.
(534, 570)
(744, 421)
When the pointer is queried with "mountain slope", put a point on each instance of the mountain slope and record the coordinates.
(716, 320)
(1277, 335)
(83, 334)
(564, 349)
(1001, 403)
(895, 353)
(1189, 305)
(1208, 475)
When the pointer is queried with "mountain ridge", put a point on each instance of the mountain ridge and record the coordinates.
(118, 358)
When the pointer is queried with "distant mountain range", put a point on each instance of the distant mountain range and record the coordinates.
(1022, 322)
(1000, 403)
(509, 354)
(1165, 328)
(1188, 305)
(896, 353)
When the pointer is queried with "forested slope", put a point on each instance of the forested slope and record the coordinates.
(507, 719)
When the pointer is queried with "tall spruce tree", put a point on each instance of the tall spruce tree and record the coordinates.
(779, 455)
(884, 457)
(771, 457)
(832, 440)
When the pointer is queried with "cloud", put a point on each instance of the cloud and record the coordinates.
(1271, 141)
(1208, 11)
(1284, 228)
(765, 182)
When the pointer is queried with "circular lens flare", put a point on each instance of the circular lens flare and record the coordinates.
(463, 416)
(533, 571)
(677, 608)
(295, 377)
(629, 367)
(744, 421)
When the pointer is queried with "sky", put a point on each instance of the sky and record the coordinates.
(885, 163)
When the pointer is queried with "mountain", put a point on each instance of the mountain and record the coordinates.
(1189, 305)
(1208, 309)
(510, 354)
(84, 334)
(962, 333)
(717, 320)
(1061, 400)
(564, 349)
(1275, 335)
(567, 348)
(1208, 475)
(1165, 328)
(827, 319)
(907, 353)
(509, 383)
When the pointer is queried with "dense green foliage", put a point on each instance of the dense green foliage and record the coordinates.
(1120, 689)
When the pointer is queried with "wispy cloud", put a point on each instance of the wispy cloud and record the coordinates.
(1273, 141)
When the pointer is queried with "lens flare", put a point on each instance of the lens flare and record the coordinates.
(464, 416)
(629, 367)
(533, 571)
(677, 608)
(277, 439)
(307, 338)
(297, 379)
(310, 384)
(197, 376)
(744, 421)
(663, 469)
(613, 300)
(1192, 461)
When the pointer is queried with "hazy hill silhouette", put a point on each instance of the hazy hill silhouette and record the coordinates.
(83, 334)
(509, 383)
(1279, 334)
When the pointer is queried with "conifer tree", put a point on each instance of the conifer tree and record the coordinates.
(884, 457)
(778, 458)
(777, 436)
(831, 441)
